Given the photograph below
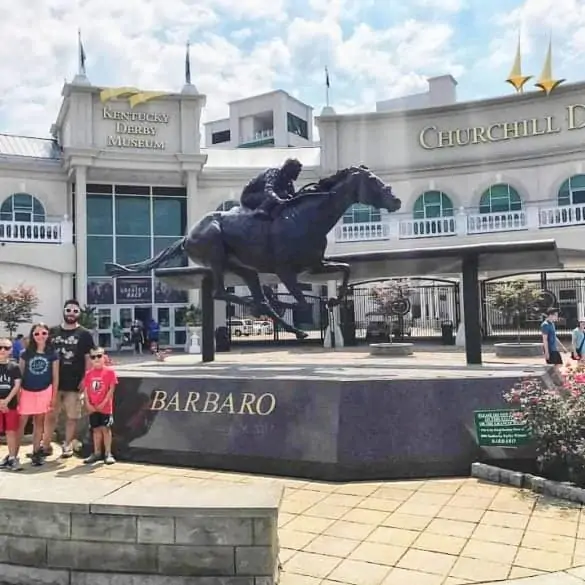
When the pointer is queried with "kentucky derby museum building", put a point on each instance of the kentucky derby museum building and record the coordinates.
(125, 175)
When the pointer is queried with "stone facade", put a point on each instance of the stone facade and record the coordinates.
(116, 533)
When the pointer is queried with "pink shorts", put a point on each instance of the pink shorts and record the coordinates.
(30, 403)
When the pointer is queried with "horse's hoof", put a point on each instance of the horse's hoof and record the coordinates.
(302, 335)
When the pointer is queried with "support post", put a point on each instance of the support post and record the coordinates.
(471, 309)
(207, 320)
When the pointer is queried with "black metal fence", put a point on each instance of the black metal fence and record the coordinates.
(434, 304)
(567, 294)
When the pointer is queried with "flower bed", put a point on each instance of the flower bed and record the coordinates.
(555, 418)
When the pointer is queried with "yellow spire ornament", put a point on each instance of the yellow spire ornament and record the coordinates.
(546, 82)
(516, 79)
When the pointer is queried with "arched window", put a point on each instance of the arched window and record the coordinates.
(572, 191)
(360, 213)
(227, 205)
(500, 199)
(22, 207)
(432, 204)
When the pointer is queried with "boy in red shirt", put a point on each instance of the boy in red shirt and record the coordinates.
(98, 388)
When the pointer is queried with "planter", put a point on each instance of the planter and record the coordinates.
(391, 349)
(514, 350)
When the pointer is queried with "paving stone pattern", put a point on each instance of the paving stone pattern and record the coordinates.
(435, 532)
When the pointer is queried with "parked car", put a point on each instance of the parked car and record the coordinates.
(239, 327)
(263, 328)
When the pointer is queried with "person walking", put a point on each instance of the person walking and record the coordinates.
(550, 342)
(578, 341)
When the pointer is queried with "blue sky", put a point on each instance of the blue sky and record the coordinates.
(375, 49)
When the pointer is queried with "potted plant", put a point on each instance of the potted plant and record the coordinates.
(88, 319)
(392, 302)
(17, 306)
(514, 300)
(193, 319)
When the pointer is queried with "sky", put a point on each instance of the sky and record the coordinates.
(374, 49)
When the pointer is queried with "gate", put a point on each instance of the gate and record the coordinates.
(564, 290)
(433, 302)
(245, 329)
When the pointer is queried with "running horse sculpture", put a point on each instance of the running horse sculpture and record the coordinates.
(292, 242)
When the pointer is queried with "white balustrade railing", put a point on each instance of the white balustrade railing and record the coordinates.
(482, 223)
(561, 216)
(427, 228)
(52, 232)
(358, 232)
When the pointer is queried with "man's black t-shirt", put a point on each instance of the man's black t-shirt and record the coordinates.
(9, 373)
(72, 345)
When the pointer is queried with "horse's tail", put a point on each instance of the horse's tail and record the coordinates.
(173, 250)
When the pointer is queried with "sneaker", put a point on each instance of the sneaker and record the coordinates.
(109, 459)
(14, 464)
(67, 452)
(4, 463)
(93, 458)
(45, 451)
(37, 459)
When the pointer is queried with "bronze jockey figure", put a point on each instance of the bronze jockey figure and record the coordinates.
(271, 188)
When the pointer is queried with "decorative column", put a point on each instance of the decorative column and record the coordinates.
(81, 234)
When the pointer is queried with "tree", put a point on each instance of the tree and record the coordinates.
(193, 316)
(88, 318)
(515, 298)
(392, 299)
(17, 306)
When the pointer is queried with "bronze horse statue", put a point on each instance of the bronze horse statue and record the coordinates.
(293, 242)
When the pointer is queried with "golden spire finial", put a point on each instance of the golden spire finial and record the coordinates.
(546, 82)
(516, 79)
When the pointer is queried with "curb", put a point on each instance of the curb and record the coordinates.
(539, 485)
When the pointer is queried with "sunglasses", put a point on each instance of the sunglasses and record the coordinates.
(5, 347)
(40, 334)
(96, 356)
(72, 311)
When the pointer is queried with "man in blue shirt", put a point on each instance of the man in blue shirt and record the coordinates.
(550, 341)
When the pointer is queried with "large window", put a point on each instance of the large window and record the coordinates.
(169, 216)
(432, 204)
(99, 251)
(360, 213)
(296, 125)
(99, 215)
(572, 191)
(500, 198)
(221, 137)
(132, 216)
(131, 249)
(22, 207)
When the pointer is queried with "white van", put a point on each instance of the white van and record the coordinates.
(241, 327)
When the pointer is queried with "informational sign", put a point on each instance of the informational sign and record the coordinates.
(135, 129)
(100, 291)
(500, 428)
(134, 291)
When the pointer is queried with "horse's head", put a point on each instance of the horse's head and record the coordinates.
(373, 191)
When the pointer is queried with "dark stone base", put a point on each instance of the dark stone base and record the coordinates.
(322, 424)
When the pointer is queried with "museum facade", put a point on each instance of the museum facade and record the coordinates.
(125, 175)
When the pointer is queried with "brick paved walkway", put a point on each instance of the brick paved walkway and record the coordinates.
(436, 532)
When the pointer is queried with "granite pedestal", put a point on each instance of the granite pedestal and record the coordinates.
(320, 420)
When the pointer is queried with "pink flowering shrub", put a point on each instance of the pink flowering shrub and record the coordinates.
(555, 418)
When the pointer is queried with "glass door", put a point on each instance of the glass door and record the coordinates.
(163, 318)
(179, 326)
(104, 325)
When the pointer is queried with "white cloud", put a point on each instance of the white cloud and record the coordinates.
(445, 5)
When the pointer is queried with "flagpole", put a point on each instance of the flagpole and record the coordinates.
(188, 64)
(327, 86)
(81, 54)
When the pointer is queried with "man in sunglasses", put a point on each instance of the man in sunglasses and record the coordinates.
(73, 344)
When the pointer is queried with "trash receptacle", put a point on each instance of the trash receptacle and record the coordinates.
(447, 337)
(222, 340)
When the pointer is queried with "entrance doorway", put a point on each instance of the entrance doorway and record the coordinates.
(143, 314)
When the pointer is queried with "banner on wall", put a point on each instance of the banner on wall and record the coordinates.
(133, 291)
(164, 294)
(100, 291)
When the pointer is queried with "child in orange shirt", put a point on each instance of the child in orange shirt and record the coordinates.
(98, 387)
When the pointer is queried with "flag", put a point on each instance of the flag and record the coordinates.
(81, 54)
(327, 84)
(188, 65)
